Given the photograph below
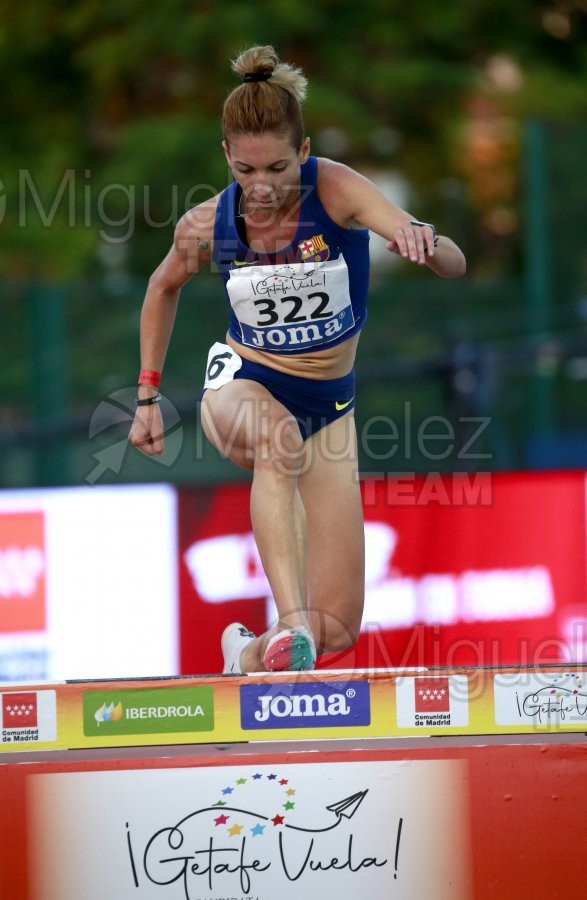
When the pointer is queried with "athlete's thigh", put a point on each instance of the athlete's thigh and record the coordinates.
(233, 416)
(238, 415)
(330, 491)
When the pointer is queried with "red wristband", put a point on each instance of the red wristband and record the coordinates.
(147, 376)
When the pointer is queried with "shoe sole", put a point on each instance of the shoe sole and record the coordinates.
(292, 653)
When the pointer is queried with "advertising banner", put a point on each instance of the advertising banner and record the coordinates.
(265, 831)
(82, 595)
(286, 707)
(479, 569)
(449, 823)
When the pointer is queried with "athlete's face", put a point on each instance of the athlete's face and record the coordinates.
(267, 168)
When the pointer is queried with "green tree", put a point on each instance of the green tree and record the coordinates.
(116, 105)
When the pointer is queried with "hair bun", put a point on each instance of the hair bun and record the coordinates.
(257, 61)
(258, 64)
(268, 99)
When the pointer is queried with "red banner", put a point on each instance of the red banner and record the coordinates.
(480, 569)
(452, 823)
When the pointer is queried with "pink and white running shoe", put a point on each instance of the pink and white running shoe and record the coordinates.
(290, 650)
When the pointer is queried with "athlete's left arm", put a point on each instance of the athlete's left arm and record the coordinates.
(351, 199)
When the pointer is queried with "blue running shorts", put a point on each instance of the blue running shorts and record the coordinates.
(313, 402)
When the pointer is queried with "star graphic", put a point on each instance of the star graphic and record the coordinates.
(241, 780)
(271, 777)
(288, 805)
(227, 790)
(283, 781)
(219, 803)
(257, 776)
(257, 829)
(277, 820)
(290, 792)
(235, 829)
(222, 820)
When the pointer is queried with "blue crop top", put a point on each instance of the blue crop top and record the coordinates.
(310, 295)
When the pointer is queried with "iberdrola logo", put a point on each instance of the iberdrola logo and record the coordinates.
(149, 711)
(110, 713)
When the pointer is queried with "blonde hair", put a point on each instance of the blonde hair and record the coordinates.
(272, 104)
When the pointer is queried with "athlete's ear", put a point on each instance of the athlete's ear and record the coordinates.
(304, 150)
(226, 149)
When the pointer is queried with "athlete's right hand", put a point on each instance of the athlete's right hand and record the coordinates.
(146, 433)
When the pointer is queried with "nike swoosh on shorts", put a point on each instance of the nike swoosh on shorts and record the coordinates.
(340, 406)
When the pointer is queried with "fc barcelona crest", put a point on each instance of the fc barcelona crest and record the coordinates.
(314, 249)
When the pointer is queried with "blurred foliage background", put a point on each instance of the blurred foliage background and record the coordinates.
(470, 114)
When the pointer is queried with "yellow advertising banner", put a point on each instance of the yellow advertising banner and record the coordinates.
(292, 706)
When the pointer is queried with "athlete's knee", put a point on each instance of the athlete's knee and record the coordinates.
(279, 444)
(333, 635)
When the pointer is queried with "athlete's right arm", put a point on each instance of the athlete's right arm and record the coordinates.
(191, 250)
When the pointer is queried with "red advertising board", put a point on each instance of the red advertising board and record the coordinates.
(485, 569)
(449, 823)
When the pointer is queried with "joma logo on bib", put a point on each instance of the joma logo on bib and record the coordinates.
(305, 705)
(296, 336)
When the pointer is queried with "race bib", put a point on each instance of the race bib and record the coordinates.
(222, 363)
(291, 307)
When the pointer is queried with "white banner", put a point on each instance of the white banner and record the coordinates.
(88, 583)
(343, 830)
(541, 698)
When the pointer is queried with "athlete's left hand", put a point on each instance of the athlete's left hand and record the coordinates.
(412, 241)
